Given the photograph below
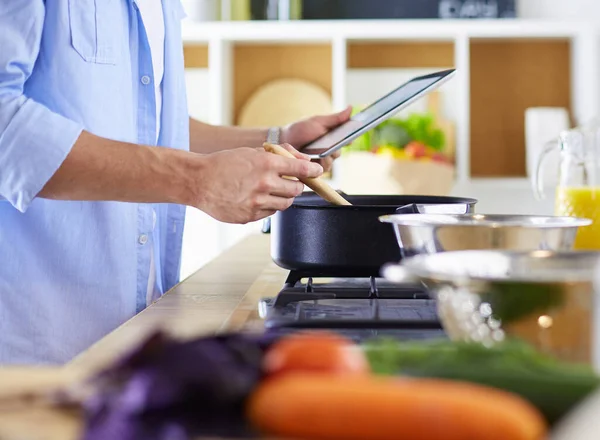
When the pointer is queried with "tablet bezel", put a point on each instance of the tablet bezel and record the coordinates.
(443, 75)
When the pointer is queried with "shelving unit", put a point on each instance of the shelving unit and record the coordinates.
(507, 77)
(503, 67)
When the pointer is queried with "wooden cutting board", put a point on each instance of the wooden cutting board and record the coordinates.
(284, 101)
(32, 422)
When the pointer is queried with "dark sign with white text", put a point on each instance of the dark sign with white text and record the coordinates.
(408, 9)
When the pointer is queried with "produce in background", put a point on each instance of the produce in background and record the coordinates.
(415, 137)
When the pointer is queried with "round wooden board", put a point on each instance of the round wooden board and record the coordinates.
(283, 101)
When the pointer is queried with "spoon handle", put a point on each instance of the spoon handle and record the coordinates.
(316, 184)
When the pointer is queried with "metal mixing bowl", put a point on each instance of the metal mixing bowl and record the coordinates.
(432, 233)
(542, 297)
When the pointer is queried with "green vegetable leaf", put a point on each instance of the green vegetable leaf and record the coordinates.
(421, 128)
(554, 387)
(398, 132)
(392, 134)
(512, 301)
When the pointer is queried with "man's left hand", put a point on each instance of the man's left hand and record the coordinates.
(302, 132)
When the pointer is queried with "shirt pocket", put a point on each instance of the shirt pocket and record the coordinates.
(92, 35)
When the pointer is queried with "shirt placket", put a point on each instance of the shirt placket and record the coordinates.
(146, 135)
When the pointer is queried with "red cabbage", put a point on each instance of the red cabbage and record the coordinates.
(169, 389)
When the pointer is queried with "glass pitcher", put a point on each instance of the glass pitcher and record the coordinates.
(578, 191)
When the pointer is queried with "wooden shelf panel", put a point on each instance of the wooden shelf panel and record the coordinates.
(195, 55)
(507, 77)
(399, 54)
(256, 64)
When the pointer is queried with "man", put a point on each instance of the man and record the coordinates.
(91, 210)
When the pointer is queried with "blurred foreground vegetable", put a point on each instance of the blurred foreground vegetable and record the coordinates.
(319, 385)
(315, 351)
(168, 389)
(553, 387)
(324, 406)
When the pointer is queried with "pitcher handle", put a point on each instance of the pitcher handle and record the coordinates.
(538, 176)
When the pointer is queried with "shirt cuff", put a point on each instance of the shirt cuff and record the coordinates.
(33, 146)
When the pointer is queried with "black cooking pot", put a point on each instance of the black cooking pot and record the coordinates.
(320, 239)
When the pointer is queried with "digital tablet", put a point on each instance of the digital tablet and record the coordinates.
(376, 113)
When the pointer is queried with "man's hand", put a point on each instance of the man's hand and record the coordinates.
(235, 186)
(246, 184)
(301, 133)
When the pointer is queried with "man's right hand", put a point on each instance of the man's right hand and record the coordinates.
(246, 184)
(233, 186)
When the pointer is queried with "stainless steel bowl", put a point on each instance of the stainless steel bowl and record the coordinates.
(432, 233)
(545, 298)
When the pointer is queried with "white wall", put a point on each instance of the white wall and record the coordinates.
(559, 9)
(204, 237)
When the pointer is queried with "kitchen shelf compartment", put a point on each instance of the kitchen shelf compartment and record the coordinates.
(507, 77)
(256, 64)
(399, 54)
(195, 56)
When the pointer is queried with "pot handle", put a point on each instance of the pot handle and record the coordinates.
(435, 208)
(408, 209)
(397, 273)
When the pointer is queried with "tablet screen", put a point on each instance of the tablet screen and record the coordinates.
(374, 114)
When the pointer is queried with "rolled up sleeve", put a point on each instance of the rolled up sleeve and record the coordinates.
(34, 141)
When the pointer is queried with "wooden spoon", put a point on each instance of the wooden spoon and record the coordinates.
(317, 185)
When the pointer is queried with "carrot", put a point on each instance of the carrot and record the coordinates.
(316, 351)
(324, 406)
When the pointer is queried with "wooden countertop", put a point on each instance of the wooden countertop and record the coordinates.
(223, 295)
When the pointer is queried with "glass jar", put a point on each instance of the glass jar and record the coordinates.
(578, 191)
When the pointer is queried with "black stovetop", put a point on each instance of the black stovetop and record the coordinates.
(358, 307)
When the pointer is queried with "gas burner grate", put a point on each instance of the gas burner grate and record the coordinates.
(353, 313)
(369, 288)
(350, 303)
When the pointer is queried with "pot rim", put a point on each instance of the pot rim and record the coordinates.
(408, 199)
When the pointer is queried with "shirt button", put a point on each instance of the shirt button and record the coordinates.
(143, 239)
(145, 80)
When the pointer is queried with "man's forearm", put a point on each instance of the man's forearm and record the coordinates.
(102, 169)
(205, 138)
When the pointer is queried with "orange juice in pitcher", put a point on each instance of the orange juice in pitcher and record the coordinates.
(578, 191)
(582, 202)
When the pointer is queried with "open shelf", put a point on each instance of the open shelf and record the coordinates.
(503, 67)
(195, 56)
(399, 54)
(256, 64)
(507, 77)
(375, 67)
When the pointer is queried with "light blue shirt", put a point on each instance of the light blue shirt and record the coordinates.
(70, 272)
